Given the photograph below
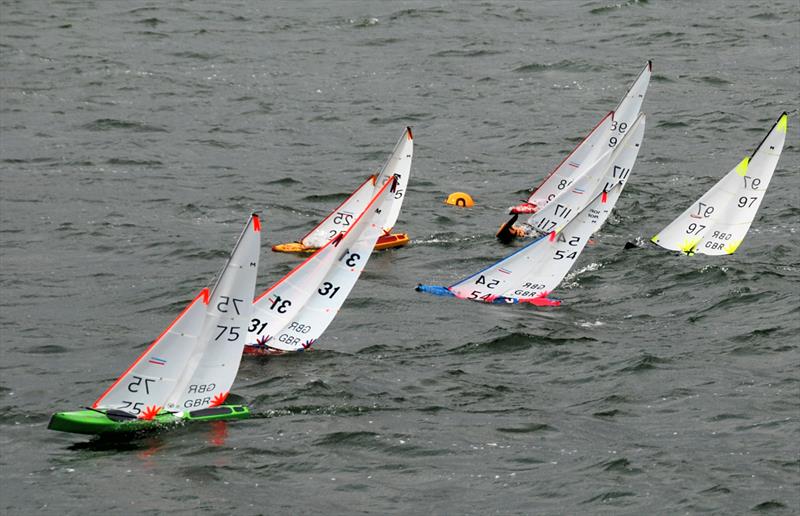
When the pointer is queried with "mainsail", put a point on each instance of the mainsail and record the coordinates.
(605, 135)
(532, 272)
(717, 223)
(291, 315)
(339, 220)
(611, 168)
(193, 363)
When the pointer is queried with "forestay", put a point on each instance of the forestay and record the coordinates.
(717, 223)
(339, 220)
(294, 313)
(193, 363)
(536, 269)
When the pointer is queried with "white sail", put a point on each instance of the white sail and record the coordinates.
(340, 219)
(399, 166)
(613, 167)
(574, 165)
(148, 382)
(629, 107)
(212, 370)
(273, 309)
(605, 135)
(536, 269)
(717, 223)
(188, 356)
(342, 262)
(619, 168)
(571, 201)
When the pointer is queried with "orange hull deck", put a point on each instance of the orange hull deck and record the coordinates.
(384, 242)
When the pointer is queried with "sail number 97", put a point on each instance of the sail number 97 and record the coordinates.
(754, 182)
(746, 202)
(704, 210)
(694, 229)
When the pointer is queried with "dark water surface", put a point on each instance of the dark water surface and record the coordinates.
(137, 136)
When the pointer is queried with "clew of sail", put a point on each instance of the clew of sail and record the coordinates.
(717, 223)
(195, 354)
(532, 272)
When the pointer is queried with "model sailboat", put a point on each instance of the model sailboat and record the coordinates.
(293, 313)
(718, 222)
(339, 220)
(580, 166)
(531, 273)
(186, 374)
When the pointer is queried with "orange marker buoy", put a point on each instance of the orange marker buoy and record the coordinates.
(460, 199)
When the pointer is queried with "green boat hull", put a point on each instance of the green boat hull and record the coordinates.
(103, 422)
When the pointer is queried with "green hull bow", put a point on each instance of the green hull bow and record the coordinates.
(103, 421)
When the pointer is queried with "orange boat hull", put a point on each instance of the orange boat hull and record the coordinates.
(384, 242)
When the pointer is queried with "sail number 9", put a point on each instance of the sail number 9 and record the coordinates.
(619, 126)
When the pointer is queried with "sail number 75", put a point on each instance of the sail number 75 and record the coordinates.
(136, 385)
